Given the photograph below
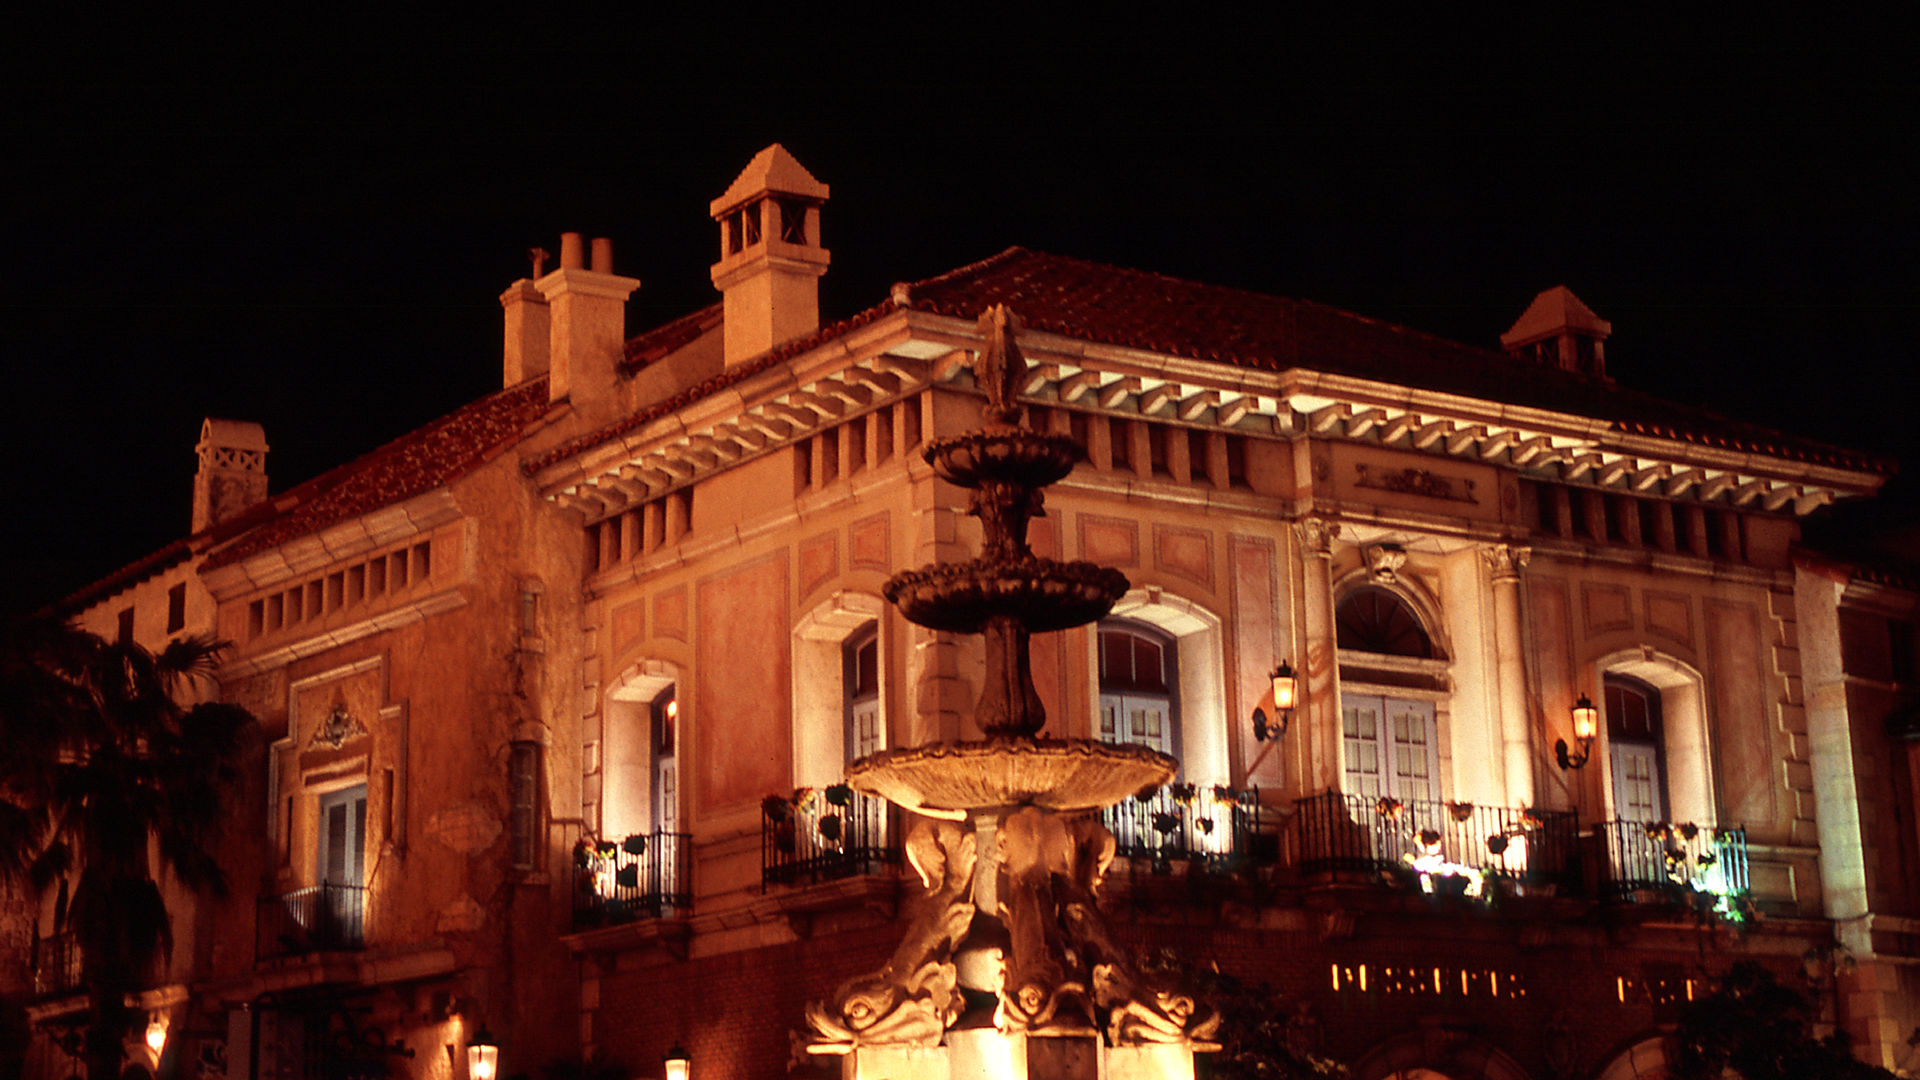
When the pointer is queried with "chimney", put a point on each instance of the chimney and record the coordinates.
(770, 254)
(586, 321)
(233, 470)
(525, 354)
(1560, 331)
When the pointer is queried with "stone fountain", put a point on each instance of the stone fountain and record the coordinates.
(1007, 970)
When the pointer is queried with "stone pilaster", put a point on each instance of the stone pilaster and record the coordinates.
(1320, 732)
(1504, 562)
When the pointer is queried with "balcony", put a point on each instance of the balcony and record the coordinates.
(826, 835)
(1444, 847)
(56, 965)
(641, 877)
(321, 918)
(1681, 861)
(1218, 827)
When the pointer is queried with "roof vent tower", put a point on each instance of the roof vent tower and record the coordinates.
(233, 470)
(770, 254)
(1560, 331)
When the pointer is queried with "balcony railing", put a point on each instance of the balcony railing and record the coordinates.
(1182, 822)
(56, 965)
(320, 918)
(1663, 856)
(1436, 841)
(641, 877)
(828, 834)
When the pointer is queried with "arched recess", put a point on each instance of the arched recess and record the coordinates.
(1688, 743)
(1201, 683)
(1395, 690)
(629, 802)
(820, 688)
(1437, 1053)
(1644, 1060)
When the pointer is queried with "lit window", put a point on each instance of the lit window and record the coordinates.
(1138, 686)
(1635, 749)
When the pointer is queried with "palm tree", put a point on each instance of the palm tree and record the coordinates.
(108, 779)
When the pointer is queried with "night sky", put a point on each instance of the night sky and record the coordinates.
(310, 227)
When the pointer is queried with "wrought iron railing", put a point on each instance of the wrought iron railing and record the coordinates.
(642, 877)
(56, 965)
(832, 833)
(1436, 841)
(1664, 856)
(320, 918)
(1219, 826)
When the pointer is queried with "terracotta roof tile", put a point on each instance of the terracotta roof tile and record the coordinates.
(1136, 309)
(419, 461)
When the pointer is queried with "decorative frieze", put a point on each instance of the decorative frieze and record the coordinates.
(1414, 481)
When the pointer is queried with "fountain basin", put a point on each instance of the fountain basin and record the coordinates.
(1043, 594)
(1013, 455)
(1054, 774)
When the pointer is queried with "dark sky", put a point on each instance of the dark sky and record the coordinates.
(309, 226)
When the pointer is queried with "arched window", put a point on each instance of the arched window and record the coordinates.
(860, 684)
(1390, 744)
(1139, 686)
(1635, 749)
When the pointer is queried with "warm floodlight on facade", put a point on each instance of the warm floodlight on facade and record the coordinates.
(1286, 689)
(156, 1034)
(1586, 724)
(483, 1056)
(676, 1065)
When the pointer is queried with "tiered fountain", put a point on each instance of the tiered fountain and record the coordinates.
(1007, 970)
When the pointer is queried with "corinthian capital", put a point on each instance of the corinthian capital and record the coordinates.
(1316, 535)
(1506, 560)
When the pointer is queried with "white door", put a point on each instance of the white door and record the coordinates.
(1391, 748)
(1134, 718)
(1636, 782)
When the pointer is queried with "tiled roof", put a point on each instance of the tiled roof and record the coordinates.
(1133, 308)
(667, 406)
(417, 462)
(667, 337)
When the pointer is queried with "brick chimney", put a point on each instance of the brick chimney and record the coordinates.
(770, 254)
(586, 321)
(233, 470)
(1560, 331)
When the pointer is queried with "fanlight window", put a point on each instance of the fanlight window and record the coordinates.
(1373, 620)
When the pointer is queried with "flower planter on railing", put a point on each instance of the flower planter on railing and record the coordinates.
(823, 834)
(1432, 842)
(319, 918)
(1220, 826)
(1672, 858)
(643, 876)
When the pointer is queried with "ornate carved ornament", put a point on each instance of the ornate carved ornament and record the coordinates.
(1384, 561)
(1316, 535)
(1506, 560)
(1414, 481)
(337, 729)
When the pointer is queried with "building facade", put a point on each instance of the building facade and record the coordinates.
(559, 689)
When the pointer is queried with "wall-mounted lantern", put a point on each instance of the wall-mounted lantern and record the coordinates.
(156, 1033)
(1586, 724)
(1286, 689)
(483, 1056)
(676, 1065)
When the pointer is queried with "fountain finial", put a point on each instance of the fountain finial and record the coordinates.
(1000, 368)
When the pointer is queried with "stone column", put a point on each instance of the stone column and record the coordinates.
(1318, 724)
(1506, 561)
